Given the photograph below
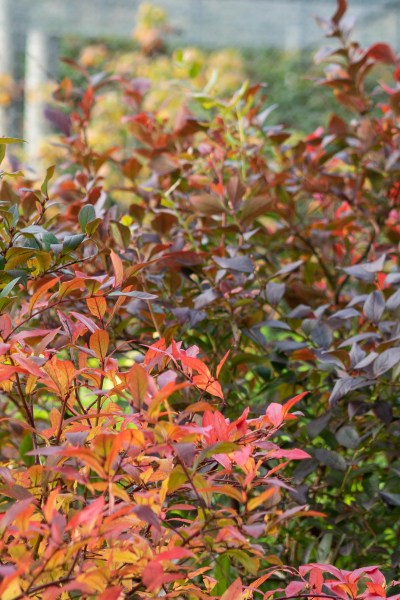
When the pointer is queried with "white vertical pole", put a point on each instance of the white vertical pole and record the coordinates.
(40, 55)
(7, 68)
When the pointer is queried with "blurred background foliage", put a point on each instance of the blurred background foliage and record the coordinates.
(171, 70)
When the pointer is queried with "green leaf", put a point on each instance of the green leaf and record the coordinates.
(71, 242)
(48, 239)
(222, 574)
(18, 273)
(8, 218)
(49, 175)
(250, 563)
(87, 214)
(176, 479)
(218, 448)
(92, 226)
(7, 289)
(11, 140)
(26, 445)
(33, 230)
(324, 548)
(121, 234)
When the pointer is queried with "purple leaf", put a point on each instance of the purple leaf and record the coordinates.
(374, 306)
(386, 361)
(242, 264)
(58, 119)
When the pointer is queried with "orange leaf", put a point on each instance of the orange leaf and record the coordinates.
(221, 364)
(196, 365)
(69, 286)
(61, 372)
(303, 354)
(288, 405)
(99, 342)
(50, 507)
(209, 385)
(137, 384)
(97, 306)
(164, 393)
(257, 500)
(118, 268)
(41, 292)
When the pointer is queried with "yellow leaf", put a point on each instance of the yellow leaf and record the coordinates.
(255, 502)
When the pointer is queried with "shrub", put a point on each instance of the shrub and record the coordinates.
(127, 468)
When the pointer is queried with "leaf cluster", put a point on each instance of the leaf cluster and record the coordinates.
(151, 353)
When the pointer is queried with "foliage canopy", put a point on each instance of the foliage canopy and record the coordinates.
(199, 390)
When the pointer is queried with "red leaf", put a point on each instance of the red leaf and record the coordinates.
(234, 591)
(219, 428)
(340, 11)
(28, 364)
(382, 53)
(7, 371)
(89, 515)
(114, 593)
(91, 325)
(13, 512)
(274, 414)
(174, 554)
(294, 454)
(146, 514)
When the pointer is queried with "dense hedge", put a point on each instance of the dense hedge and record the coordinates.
(152, 355)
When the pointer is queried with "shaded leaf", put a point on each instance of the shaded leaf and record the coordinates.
(384, 411)
(348, 437)
(289, 268)
(386, 361)
(331, 459)
(344, 386)
(366, 271)
(242, 264)
(394, 301)
(136, 294)
(374, 306)
(275, 292)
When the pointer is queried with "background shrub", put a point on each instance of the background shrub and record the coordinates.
(157, 290)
